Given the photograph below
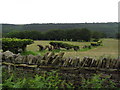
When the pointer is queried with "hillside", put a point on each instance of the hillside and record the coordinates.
(109, 28)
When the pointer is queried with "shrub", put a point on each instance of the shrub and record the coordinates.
(14, 44)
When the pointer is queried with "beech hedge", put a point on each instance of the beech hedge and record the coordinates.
(15, 45)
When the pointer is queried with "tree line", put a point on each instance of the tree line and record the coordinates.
(70, 35)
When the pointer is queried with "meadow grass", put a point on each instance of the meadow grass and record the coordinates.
(109, 49)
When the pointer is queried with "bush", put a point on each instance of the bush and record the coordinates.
(14, 44)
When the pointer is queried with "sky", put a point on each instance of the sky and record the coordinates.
(58, 11)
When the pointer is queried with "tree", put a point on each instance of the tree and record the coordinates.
(55, 35)
(35, 35)
(118, 35)
(85, 34)
(71, 34)
(98, 35)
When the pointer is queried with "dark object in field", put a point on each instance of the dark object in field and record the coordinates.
(46, 47)
(55, 47)
(67, 48)
(58, 45)
(85, 46)
(97, 43)
(40, 47)
(89, 46)
(76, 48)
(50, 48)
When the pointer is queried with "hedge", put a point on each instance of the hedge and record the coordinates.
(14, 44)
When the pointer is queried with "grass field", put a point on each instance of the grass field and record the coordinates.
(109, 49)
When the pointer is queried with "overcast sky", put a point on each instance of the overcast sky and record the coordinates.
(58, 11)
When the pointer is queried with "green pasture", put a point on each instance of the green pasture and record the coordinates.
(109, 49)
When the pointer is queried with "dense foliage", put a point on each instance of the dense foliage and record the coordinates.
(53, 80)
(98, 34)
(35, 35)
(46, 80)
(109, 28)
(70, 35)
(14, 45)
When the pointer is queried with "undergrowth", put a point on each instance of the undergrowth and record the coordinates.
(52, 80)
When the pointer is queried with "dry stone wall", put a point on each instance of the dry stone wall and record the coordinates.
(52, 59)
